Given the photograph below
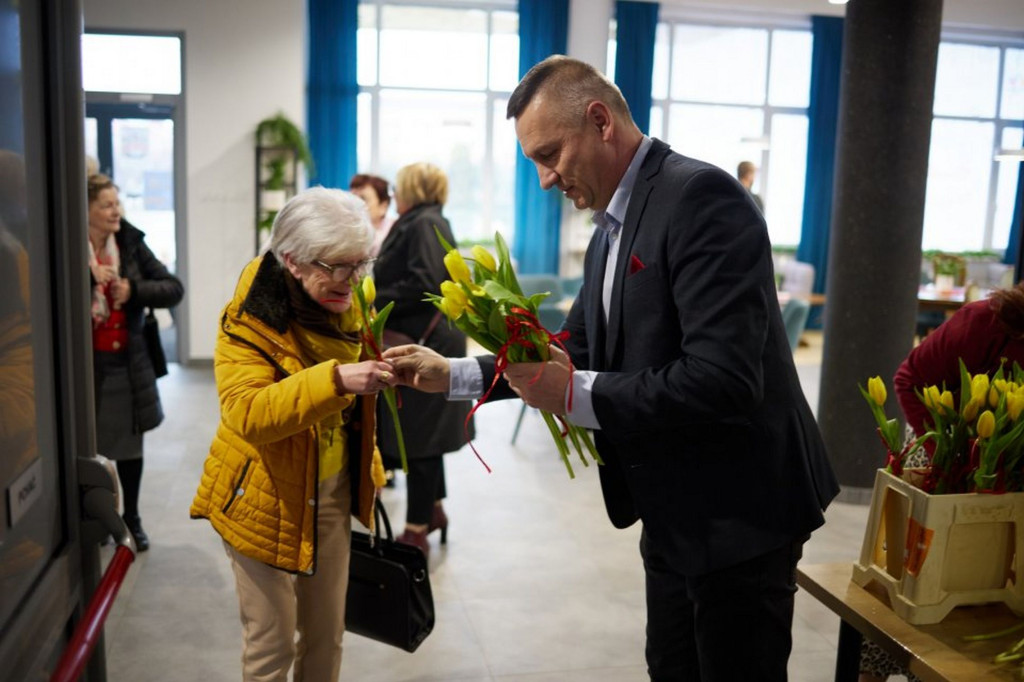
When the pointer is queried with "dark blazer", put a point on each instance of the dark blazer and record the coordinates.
(705, 431)
(411, 262)
(153, 286)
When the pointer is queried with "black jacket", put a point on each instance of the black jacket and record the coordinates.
(153, 286)
(411, 262)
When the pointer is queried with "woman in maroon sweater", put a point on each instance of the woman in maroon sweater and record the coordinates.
(982, 333)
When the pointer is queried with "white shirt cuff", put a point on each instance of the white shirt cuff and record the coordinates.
(466, 379)
(582, 412)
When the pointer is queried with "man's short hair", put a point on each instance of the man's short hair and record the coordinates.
(576, 85)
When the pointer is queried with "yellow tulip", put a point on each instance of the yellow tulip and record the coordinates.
(1014, 405)
(876, 389)
(369, 290)
(456, 266)
(946, 400)
(451, 309)
(979, 386)
(993, 396)
(986, 424)
(931, 397)
(453, 292)
(971, 409)
(484, 258)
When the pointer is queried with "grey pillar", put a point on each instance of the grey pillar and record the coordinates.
(890, 50)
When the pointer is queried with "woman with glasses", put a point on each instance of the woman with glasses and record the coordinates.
(411, 262)
(294, 453)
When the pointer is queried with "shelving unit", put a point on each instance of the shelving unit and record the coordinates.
(276, 182)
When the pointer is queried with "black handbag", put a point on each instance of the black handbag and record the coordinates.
(151, 333)
(389, 598)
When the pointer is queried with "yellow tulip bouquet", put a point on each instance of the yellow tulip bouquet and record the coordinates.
(373, 342)
(488, 305)
(974, 447)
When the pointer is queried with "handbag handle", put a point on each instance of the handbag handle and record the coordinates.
(430, 328)
(380, 513)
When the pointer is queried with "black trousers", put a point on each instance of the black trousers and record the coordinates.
(728, 625)
(424, 485)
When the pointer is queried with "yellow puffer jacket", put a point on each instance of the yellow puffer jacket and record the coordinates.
(260, 480)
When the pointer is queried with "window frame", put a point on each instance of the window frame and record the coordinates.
(671, 19)
(491, 97)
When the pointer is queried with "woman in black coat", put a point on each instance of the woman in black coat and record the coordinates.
(411, 262)
(126, 279)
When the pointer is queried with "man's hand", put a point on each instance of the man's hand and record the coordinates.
(541, 384)
(420, 367)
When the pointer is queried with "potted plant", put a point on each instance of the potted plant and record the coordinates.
(280, 145)
(279, 131)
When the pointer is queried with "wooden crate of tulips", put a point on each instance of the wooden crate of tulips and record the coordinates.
(950, 533)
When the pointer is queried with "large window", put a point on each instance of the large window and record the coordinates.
(433, 83)
(731, 93)
(979, 104)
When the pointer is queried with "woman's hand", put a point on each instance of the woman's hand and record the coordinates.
(362, 378)
(120, 291)
(103, 273)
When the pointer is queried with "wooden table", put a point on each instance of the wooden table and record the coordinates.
(934, 653)
(930, 299)
(813, 299)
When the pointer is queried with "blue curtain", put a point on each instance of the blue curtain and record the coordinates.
(1014, 253)
(332, 90)
(1015, 247)
(634, 56)
(823, 115)
(543, 31)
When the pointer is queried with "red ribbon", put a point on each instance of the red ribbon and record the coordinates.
(520, 323)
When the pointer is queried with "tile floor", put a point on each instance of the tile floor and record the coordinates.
(535, 585)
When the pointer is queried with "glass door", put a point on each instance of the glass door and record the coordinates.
(45, 414)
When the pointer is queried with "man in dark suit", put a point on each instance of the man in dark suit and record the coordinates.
(682, 368)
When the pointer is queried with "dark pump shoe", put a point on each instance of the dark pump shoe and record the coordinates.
(416, 539)
(134, 524)
(439, 521)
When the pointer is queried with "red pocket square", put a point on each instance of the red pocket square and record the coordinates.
(635, 265)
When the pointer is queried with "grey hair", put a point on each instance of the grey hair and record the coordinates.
(322, 224)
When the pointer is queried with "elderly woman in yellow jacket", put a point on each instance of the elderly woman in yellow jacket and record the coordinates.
(294, 455)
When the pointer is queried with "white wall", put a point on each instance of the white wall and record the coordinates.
(244, 60)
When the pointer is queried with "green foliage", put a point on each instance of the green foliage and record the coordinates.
(279, 131)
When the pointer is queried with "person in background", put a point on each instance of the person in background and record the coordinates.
(373, 190)
(745, 173)
(126, 279)
(982, 333)
(294, 455)
(411, 262)
(683, 371)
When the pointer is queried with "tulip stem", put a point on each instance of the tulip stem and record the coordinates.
(390, 399)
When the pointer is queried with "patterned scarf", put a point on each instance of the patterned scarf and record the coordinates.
(108, 255)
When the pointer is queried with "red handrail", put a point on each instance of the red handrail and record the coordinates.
(88, 630)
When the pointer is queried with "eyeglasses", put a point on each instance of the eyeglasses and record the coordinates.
(340, 272)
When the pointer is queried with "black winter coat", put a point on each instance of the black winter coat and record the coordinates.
(411, 262)
(153, 286)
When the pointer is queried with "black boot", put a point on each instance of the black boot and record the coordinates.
(134, 524)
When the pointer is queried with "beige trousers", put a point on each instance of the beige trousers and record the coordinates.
(298, 619)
